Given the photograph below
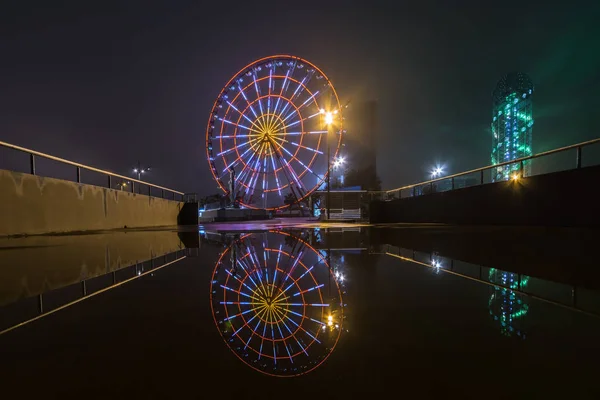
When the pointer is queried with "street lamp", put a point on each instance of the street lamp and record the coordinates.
(437, 171)
(122, 185)
(328, 119)
(140, 171)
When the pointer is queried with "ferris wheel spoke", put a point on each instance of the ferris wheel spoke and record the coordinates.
(282, 315)
(302, 317)
(265, 184)
(247, 101)
(298, 145)
(239, 125)
(246, 171)
(233, 163)
(312, 97)
(300, 88)
(301, 120)
(299, 133)
(236, 136)
(269, 91)
(275, 171)
(257, 93)
(244, 115)
(296, 159)
(279, 156)
(239, 146)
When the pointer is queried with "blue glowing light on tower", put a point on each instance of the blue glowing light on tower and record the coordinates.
(512, 122)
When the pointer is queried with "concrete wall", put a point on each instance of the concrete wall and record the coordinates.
(568, 198)
(36, 205)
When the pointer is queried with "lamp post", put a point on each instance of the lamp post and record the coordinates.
(328, 120)
(139, 171)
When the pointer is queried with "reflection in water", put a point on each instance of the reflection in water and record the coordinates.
(276, 303)
(505, 305)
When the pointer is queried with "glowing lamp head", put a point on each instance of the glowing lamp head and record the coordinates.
(515, 177)
(328, 118)
(135, 170)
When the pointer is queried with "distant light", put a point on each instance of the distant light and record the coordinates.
(515, 177)
(328, 118)
(135, 170)
(322, 111)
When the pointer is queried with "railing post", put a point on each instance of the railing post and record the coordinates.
(578, 157)
(109, 182)
(452, 183)
(132, 185)
(481, 178)
(430, 187)
(32, 163)
(40, 304)
(78, 175)
(83, 288)
(149, 191)
(173, 195)
(413, 191)
(521, 170)
(162, 193)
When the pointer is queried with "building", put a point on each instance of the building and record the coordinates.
(512, 123)
(360, 142)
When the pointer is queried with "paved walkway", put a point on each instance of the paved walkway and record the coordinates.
(277, 223)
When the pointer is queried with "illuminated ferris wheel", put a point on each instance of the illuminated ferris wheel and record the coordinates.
(272, 123)
(275, 303)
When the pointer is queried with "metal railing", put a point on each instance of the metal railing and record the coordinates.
(32, 169)
(520, 161)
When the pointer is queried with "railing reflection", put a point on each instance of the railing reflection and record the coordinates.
(510, 292)
(21, 313)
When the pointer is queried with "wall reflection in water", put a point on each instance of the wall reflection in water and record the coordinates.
(277, 303)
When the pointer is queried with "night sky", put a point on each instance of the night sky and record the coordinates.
(111, 83)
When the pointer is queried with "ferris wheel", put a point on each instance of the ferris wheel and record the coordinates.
(275, 303)
(277, 124)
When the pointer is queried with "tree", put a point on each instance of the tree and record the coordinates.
(290, 200)
(213, 198)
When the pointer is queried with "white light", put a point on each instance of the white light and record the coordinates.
(322, 111)
(135, 170)
(342, 278)
(328, 118)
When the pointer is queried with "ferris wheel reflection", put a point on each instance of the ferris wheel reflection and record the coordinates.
(276, 303)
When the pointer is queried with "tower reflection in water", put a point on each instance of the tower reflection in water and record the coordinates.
(506, 306)
(276, 303)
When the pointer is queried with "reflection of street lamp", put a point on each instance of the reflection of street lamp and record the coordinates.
(139, 171)
(328, 117)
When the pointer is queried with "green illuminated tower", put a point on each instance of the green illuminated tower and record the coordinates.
(512, 123)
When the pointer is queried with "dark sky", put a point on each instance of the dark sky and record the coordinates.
(111, 83)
